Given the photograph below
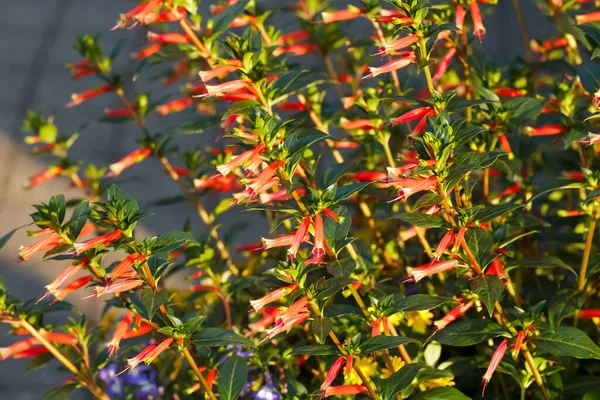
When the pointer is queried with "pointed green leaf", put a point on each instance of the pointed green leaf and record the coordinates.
(470, 332)
(232, 378)
(489, 288)
(567, 341)
(378, 343)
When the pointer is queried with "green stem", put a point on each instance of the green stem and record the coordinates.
(586, 253)
(426, 69)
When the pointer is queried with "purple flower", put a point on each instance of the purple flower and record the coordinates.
(114, 385)
(266, 392)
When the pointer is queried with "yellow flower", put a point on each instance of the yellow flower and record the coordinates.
(397, 363)
(368, 368)
(395, 319)
(438, 382)
(419, 320)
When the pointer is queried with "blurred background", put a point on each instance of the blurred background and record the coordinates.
(37, 41)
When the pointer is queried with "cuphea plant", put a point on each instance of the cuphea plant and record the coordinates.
(432, 213)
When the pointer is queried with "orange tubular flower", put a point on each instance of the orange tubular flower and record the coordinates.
(410, 186)
(518, 344)
(60, 294)
(97, 243)
(142, 330)
(292, 311)
(282, 241)
(219, 71)
(43, 176)
(168, 38)
(142, 14)
(298, 49)
(412, 115)
(299, 237)
(397, 44)
(149, 354)
(175, 106)
(79, 98)
(225, 87)
(368, 176)
(287, 325)
(120, 112)
(263, 182)
(49, 242)
(291, 106)
(443, 246)
(587, 314)
(363, 124)
(586, 18)
(332, 374)
(478, 28)
(275, 295)
(126, 265)
(63, 277)
(113, 345)
(135, 157)
(250, 157)
(281, 195)
(117, 287)
(394, 16)
(271, 315)
(452, 316)
(546, 130)
(429, 269)
(345, 390)
(496, 358)
(497, 269)
(293, 37)
(23, 347)
(217, 184)
(147, 51)
(391, 66)
(342, 15)
(319, 246)
(444, 64)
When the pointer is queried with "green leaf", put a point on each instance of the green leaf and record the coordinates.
(490, 212)
(470, 332)
(564, 303)
(317, 350)
(524, 108)
(153, 300)
(481, 243)
(320, 327)
(378, 343)
(542, 262)
(345, 192)
(192, 325)
(222, 21)
(421, 302)
(296, 145)
(62, 392)
(4, 239)
(232, 378)
(399, 381)
(442, 393)
(567, 341)
(422, 220)
(216, 337)
(171, 241)
(489, 288)
(593, 195)
(332, 286)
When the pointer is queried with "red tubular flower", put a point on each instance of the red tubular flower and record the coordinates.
(368, 176)
(79, 98)
(586, 314)
(113, 345)
(342, 15)
(299, 237)
(167, 16)
(376, 328)
(120, 112)
(169, 37)
(333, 372)
(410, 186)
(43, 176)
(593, 138)
(429, 269)
(546, 130)
(149, 354)
(391, 66)
(412, 115)
(46, 243)
(219, 71)
(319, 245)
(345, 390)
(459, 17)
(29, 347)
(510, 190)
(298, 49)
(98, 243)
(142, 14)
(459, 238)
(217, 184)
(508, 92)
(496, 358)
(78, 73)
(287, 325)
(443, 246)
(497, 269)
(444, 64)
(363, 124)
(282, 241)
(349, 362)
(478, 28)
(135, 157)
(142, 330)
(147, 51)
(275, 295)
(175, 106)
(126, 265)
(397, 44)
(271, 314)
(291, 106)
(281, 195)
(251, 157)
(225, 87)
(63, 277)
(60, 294)
(117, 287)
(586, 18)
(452, 316)
(518, 343)
(238, 96)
